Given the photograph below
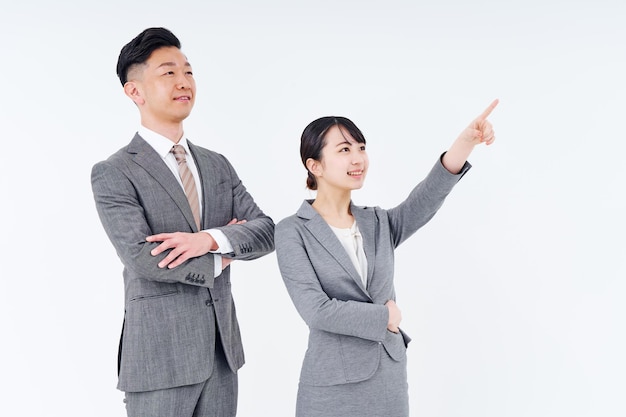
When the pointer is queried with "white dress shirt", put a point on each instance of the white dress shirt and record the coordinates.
(352, 241)
(163, 147)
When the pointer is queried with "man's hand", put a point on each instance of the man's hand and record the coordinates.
(226, 262)
(185, 246)
(395, 316)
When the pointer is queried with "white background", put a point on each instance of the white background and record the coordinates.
(513, 294)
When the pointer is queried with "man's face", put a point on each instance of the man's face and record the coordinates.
(164, 87)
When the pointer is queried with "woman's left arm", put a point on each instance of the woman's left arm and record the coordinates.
(478, 131)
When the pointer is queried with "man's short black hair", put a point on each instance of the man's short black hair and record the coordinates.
(137, 51)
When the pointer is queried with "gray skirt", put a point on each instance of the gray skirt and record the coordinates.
(386, 394)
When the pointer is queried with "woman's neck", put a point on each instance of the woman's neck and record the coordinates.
(335, 210)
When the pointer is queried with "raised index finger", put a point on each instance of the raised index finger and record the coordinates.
(488, 110)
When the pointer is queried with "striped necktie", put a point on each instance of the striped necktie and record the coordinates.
(189, 183)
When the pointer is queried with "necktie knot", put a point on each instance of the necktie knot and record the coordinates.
(179, 154)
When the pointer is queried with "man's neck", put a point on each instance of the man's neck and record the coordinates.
(172, 131)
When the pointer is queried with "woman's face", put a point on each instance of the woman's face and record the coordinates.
(344, 161)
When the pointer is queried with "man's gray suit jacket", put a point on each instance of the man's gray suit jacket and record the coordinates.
(169, 331)
(348, 322)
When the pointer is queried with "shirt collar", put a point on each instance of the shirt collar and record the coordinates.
(160, 143)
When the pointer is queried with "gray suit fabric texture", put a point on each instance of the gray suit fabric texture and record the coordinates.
(384, 394)
(216, 397)
(173, 317)
(347, 321)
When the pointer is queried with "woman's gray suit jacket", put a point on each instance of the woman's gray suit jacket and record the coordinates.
(348, 322)
(172, 316)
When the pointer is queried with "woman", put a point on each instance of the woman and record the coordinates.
(336, 260)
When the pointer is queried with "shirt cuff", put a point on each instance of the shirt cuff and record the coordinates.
(217, 265)
(223, 244)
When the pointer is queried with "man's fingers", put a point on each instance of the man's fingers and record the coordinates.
(160, 248)
(236, 221)
(160, 237)
(167, 260)
(178, 261)
(174, 258)
(166, 243)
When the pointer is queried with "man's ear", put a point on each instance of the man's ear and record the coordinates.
(314, 166)
(131, 90)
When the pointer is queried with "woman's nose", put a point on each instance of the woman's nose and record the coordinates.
(357, 159)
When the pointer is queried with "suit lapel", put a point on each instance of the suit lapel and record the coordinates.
(208, 180)
(329, 241)
(146, 157)
(367, 226)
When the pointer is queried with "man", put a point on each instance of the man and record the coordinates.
(176, 220)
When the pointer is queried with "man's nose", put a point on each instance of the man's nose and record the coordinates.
(183, 83)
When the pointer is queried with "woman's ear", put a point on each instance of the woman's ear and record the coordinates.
(131, 90)
(314, 167)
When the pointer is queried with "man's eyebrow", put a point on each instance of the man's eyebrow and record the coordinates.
(172, 64)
